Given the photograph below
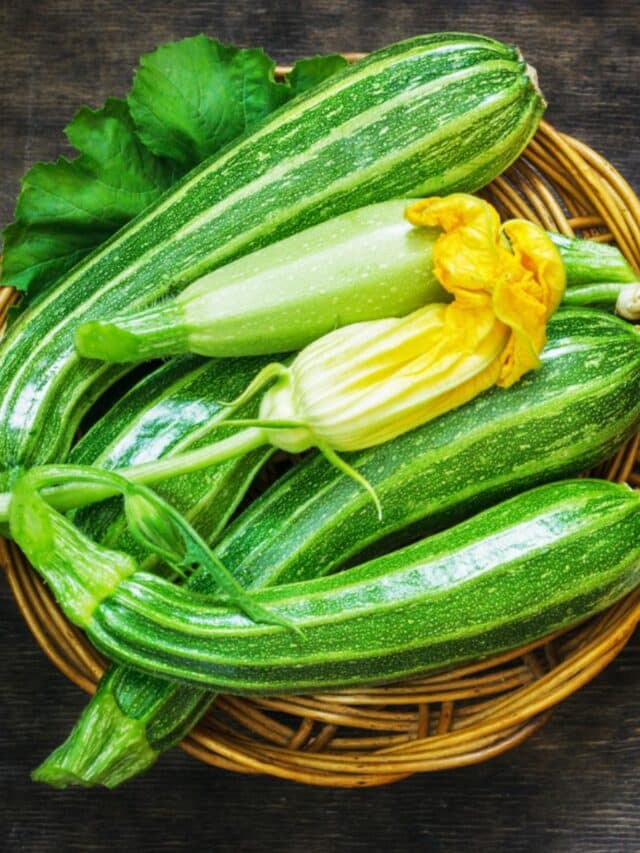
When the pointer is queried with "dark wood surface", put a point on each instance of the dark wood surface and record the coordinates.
(575, 785)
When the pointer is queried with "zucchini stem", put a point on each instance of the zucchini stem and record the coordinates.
(72, 495)
(81, 490)
(588, 262)
(338, 462)
(82, 573)
(628, 302)
(612, 294)
(140, 336)
(237, 444)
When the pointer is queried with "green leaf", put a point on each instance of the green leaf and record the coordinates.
(67, 208)
(189, 98)
(307, 73)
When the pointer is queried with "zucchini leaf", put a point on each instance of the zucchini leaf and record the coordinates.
(307, 73)
(67, 208)
(191, 97)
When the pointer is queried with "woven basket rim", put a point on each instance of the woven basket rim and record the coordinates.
(564, 185)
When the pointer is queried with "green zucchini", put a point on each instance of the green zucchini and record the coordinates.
(366, 264)
(174, 409)
(429, 115)
(539, 562)
(571, 413)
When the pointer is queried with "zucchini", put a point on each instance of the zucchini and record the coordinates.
(539, 562)
(174, 409)
(366, 264)
(571, 413)
(429, 115)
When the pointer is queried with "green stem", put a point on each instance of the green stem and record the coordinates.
(157, 331)
(597, 293)
(586, 261)
(193, 460)
(624, 299)
(73, 495)
(81, 572)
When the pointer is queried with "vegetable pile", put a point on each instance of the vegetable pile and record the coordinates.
(311, 256)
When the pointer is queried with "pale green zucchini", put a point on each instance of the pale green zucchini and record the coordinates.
(366, 264)
(429, 115)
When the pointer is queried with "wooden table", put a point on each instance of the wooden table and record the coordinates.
(575, 785)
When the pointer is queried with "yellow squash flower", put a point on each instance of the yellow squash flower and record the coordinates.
(371, 381)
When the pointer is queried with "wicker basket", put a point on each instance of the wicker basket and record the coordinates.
(374, 736)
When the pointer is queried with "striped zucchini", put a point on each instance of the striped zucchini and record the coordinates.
(540, 562)
(174, 409)
(429, 115)
(570, 414)
(573, 412)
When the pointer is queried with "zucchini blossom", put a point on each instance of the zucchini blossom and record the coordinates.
(369, 382)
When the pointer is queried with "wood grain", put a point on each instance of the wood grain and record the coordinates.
(574, 786)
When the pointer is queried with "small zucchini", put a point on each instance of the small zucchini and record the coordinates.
(366, 264)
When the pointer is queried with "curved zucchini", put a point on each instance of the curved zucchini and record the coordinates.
(432, 114)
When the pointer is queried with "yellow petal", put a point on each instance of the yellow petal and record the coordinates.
(536, 252)
(467, 257)
(523, 282)
(525, 296)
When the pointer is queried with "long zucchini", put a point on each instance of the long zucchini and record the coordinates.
(538, 563)
(542, 561)
(429, 115)
(571, 413)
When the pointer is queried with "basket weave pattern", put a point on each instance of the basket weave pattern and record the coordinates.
(377, 735)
